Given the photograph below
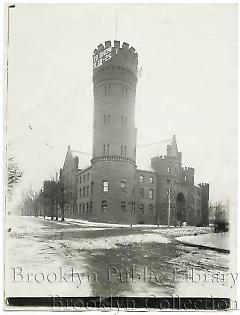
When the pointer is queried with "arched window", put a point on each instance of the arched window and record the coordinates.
(90, 208)
(150, 208)
(141, 208)
(121, 149)
(123, 205)
(91, 187)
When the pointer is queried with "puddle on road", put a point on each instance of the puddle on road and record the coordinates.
(133, 270)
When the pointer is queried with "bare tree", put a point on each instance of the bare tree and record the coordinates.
(14, 174)
(31, 201)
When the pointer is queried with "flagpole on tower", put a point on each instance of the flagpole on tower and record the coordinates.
(116, 22)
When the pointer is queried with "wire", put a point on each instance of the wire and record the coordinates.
(148, 144)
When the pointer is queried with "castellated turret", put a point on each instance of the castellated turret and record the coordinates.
(114, 87)
(114, 131)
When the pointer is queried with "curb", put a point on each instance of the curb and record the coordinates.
(220, 250)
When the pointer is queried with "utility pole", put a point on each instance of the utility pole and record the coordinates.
(169, 206)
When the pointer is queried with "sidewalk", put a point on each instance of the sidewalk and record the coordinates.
(215, 241)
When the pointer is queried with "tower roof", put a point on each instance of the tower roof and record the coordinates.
(172, 148)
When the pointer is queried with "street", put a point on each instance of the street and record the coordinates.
(75, 258)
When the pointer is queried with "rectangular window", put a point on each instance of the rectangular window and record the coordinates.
(87, 191)
(79, 208)
(125, 121)
(87, 176)
(122, 120)
(104, 205)
(133, 207)
(104, 120)
(84, 178)
(141, 178)
(80, 180)
(123, 184)
(104, 149)
(108, 149)
(105, 90)
(108, 119)
(90, 207)
(125, 150)
(185, 178)
(150, 194)
(142, 192)
(151, 180)
(83, 192)
(169, 169)
(121, 149)
(105, 186)
(83, 208)
(80, 193)
(123, 205)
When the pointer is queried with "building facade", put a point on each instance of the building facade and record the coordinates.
(112, 189)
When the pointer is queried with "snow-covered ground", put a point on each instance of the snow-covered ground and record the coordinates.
(47, 257)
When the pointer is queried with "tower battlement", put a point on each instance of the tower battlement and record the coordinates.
(203, 185)
(188, 169)
(115, 55)
(166, 157)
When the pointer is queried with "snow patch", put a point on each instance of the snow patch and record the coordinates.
(114, 241)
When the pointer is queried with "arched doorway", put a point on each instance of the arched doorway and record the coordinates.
(181, 211)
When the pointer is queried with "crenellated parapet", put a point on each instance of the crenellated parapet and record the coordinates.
(115, 61)
(187, 175)
(204, 185)
(166, 158)
(188, 169)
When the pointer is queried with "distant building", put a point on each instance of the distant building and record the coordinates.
(112, 189)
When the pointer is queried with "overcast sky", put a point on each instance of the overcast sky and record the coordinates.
(188, 86)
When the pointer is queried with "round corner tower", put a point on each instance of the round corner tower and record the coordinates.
(114, 132)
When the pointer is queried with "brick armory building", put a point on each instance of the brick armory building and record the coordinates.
(112, 189)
